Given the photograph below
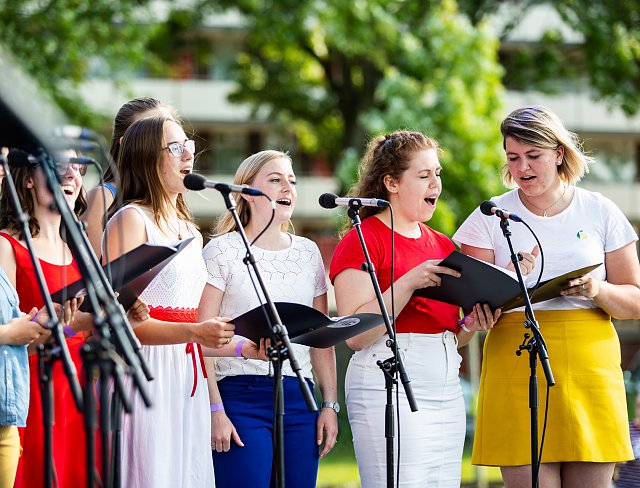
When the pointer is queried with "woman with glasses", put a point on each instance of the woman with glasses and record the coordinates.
(166, 445)
(59, 269)
(102, 196)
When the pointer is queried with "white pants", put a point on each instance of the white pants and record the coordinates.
(432, 438)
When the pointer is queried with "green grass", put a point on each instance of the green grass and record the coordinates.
(339, 470)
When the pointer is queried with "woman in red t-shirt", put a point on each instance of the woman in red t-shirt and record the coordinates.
(403, 168)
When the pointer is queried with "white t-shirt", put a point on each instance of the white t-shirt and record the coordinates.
(578, 236)
(295, 275)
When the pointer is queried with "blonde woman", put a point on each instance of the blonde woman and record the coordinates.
(587, 431)
(242, 399)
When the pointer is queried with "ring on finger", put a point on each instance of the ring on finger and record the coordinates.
(583, 287)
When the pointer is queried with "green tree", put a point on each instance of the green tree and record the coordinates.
(607, 60)
(339, 71)
(59, 41)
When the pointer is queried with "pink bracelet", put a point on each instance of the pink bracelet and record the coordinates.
(216, 407)
(239, 348)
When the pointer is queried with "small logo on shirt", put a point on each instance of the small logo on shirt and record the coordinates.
(582, 235)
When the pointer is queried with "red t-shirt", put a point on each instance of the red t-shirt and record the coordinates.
(420, 315)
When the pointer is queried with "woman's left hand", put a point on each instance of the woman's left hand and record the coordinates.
(481, 318)
(327, 427)
(585, 286)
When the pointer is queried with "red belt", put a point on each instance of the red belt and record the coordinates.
(190, 316)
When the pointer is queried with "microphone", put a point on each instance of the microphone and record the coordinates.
(490, 208)
(197, 182)
(329, 200)
(20, 159)
(75, 132)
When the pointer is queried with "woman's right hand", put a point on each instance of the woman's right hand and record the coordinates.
(427, 274)
(222, 431)
(528, 261)
(215, 332)
(251, 350)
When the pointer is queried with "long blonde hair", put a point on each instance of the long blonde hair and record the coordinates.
(245, 174)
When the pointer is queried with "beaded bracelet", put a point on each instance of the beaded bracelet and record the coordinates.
(461, 324)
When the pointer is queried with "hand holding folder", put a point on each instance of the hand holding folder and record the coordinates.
(483, 283)
(131, 273)
(305, 325)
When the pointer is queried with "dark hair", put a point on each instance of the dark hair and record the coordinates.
(127, 115)
(21, 173)
(140, 167)
(386, 155)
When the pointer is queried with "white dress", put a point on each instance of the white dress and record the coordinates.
(168, 445)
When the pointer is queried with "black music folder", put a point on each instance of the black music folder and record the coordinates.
(481, 282)
(131, 273)
(305, 325)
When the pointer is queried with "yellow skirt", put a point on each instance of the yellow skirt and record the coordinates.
(587, 406)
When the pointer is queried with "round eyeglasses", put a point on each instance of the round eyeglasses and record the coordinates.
(62, 167)
(177, 148)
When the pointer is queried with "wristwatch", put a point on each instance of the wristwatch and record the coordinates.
(333, 405)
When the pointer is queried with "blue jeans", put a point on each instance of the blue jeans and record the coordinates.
(248, 402)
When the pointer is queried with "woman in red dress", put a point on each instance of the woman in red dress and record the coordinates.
(60, 269)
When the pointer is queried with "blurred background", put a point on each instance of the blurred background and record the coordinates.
(318, 78)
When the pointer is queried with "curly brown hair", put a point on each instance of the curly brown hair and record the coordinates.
(387, 155)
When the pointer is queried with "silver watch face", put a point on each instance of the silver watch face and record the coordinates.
(333, 405)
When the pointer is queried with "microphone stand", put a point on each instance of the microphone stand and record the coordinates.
(53, 350)
(533, 343)
(277, 354)
(392, 365)
(110, 332)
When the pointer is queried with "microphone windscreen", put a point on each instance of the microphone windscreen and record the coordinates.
(194, 182)
(328, 200)
(18, 158)
(487, 206)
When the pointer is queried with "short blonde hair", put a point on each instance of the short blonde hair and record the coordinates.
(540, 127)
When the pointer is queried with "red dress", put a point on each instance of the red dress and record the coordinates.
(69, 440)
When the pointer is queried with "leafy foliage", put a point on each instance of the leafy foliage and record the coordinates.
(339, 71)
(59, 41)
(607, 60)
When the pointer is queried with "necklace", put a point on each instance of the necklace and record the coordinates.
(545, 210)
(178, 233)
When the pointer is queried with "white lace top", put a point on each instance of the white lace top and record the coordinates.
(295, 274)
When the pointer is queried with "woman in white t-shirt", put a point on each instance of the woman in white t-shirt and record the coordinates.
(587, 430)
(242, 400)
